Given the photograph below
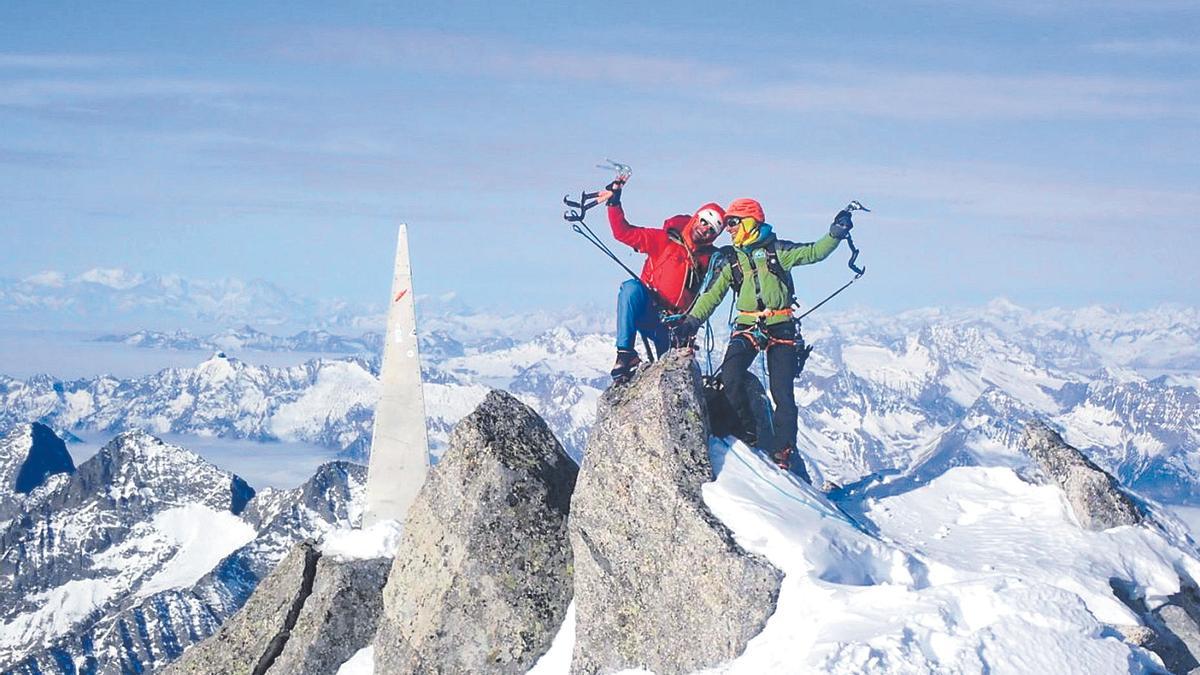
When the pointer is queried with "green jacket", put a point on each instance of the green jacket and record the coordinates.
(771, 288)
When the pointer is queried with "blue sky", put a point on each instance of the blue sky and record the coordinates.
(1041, 151)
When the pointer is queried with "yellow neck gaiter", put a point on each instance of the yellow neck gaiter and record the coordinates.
(746, 233)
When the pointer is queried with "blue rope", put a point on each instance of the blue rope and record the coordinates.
(710, 342)
(821, 509)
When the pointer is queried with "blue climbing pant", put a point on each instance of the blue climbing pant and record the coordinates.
(636, 313)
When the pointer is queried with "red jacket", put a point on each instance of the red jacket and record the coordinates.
(675, 266)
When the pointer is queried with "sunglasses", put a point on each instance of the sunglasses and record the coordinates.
(733, 222)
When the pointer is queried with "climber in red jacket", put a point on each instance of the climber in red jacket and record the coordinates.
(677, 259)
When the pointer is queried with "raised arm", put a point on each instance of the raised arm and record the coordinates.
(792, 253)
(641, 239)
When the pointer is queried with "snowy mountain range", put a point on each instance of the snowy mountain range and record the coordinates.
(119, 564)
(103, 297)
(327, 402)
(928, 388)
(248, 338)
(116, 300)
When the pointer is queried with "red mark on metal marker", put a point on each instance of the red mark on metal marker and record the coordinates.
(400, 295)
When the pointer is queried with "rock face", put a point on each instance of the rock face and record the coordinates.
(250, 640)
(1180, 629)
(1094, 496)
(482, 577)
(339, 618)
(32, 461)
(308, 617)
(660, 583)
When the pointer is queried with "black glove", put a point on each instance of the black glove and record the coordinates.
(842, 224)
(683, 330)
(615, 188)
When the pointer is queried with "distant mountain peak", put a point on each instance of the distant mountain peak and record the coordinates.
(29, 454)
(136, 461)
(115, 278)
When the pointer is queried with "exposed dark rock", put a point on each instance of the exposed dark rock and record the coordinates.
(29, 455)
(47, 455)
(482, 577)
(1171, 630)
(1180, 620)
(723, 420)
(1095, 497)
(660, 583)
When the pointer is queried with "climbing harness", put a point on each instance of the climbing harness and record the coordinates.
(758, 336)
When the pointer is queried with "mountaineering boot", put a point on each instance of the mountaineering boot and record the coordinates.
(788, 460)
(627, 363)
(782, 457)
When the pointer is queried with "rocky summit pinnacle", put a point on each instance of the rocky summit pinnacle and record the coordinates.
(1094, 495)
(660, 583)
(482, 577)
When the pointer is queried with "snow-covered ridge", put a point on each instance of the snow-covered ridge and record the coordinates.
(976, 571)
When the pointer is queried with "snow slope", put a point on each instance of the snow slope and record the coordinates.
(974, 571)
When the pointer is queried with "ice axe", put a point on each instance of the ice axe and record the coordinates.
(623, 171)
(587, 200)
(853, 206)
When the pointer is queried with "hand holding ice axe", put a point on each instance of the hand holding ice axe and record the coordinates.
(611, 194)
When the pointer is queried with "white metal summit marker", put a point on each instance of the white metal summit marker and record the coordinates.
(399, 445)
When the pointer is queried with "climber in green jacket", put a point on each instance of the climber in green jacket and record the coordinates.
(758, 267)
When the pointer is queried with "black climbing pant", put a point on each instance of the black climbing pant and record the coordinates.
(781, 371)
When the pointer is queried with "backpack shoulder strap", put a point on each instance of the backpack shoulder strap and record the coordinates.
(776, 268)
(729, 255)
